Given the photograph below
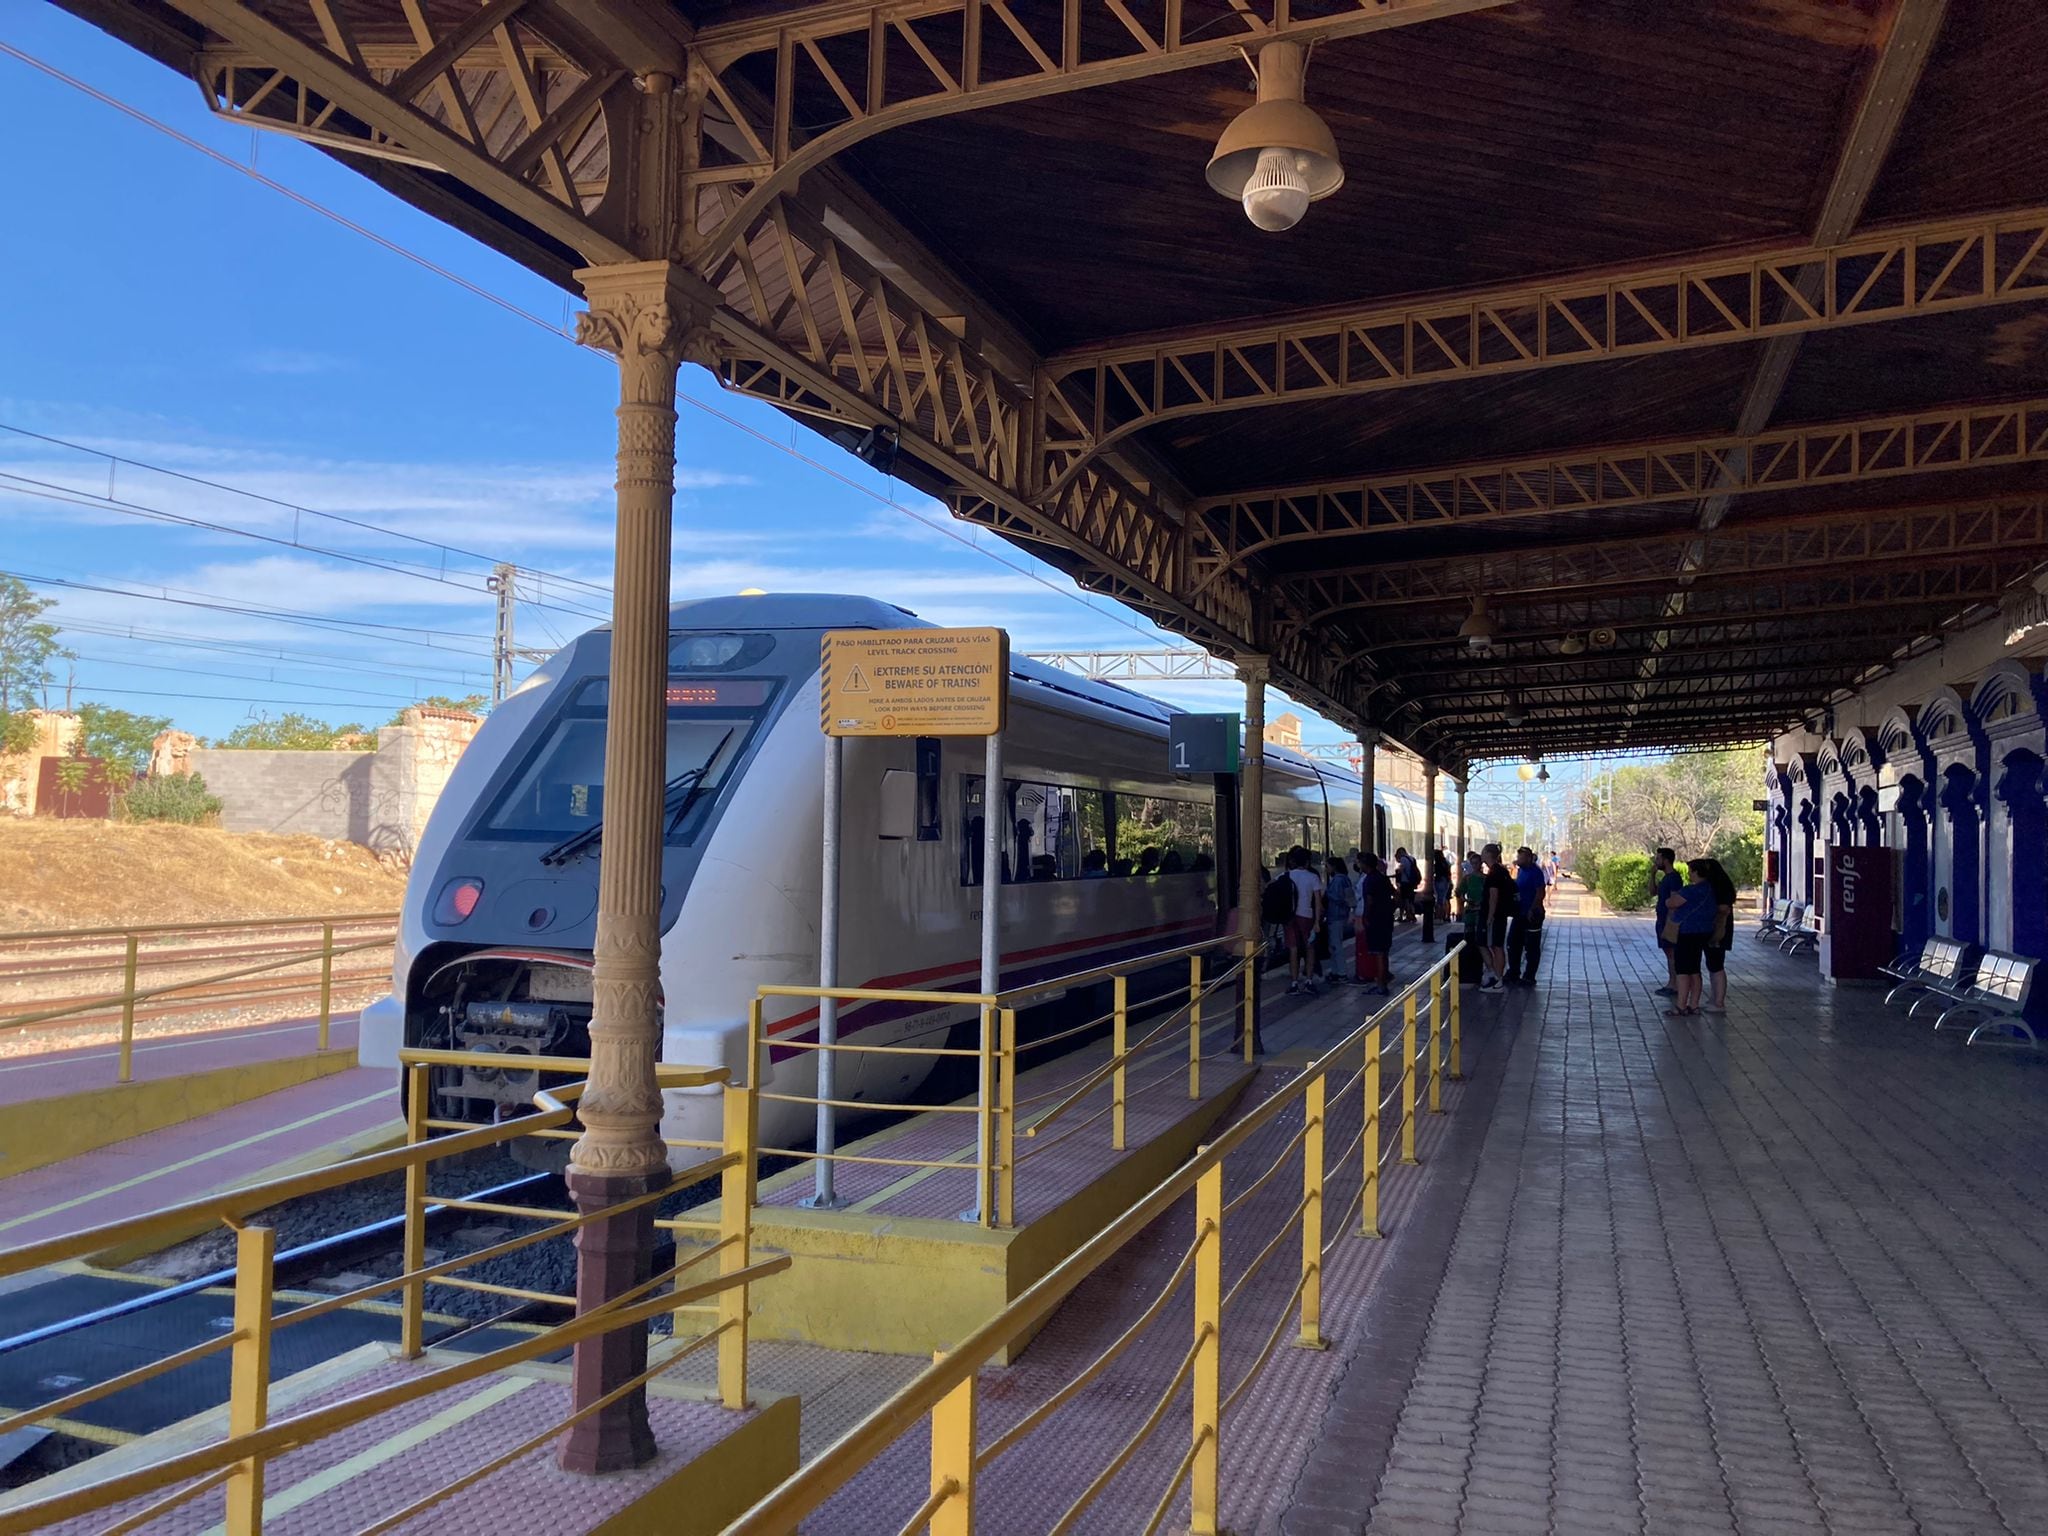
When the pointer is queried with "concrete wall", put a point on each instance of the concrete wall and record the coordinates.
(324, 794)
(380, 799)
(56, 734)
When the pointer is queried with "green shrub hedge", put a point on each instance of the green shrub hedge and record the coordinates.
(181, 797)
(1625, 881)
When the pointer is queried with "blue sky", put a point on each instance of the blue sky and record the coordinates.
(202, 327)
(169, 310)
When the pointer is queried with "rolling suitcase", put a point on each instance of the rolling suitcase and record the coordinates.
(1471, 963)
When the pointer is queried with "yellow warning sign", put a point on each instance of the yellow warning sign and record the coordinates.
(914, 682)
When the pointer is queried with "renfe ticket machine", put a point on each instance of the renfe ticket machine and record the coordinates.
(1856, 928)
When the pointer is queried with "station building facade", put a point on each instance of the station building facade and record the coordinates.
(1941, 762)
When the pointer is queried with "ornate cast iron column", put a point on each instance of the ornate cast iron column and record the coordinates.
(641, 314)
(1368, 774)
(1459, 840)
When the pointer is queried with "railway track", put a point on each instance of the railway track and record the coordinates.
(66, 980)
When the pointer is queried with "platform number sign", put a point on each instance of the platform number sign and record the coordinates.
(1202, 743)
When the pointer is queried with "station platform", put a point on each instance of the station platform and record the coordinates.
(333, 1116)
(60, 1104)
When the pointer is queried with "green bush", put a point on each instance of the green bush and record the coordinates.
(1742, 856)
(1586, 865)
(1625, 881)
(180, 797)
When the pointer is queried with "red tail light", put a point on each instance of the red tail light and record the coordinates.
(457, 900)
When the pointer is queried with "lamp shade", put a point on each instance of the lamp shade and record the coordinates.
(1276, 124)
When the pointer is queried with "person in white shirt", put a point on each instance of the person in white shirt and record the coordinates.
(1301, 929)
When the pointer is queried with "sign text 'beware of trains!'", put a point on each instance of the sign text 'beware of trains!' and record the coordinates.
(915, 682)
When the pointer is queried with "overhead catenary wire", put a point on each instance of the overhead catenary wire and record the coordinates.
(24, 485)
(296, 509)
(256, 651)
(543, 323)
(214, 602)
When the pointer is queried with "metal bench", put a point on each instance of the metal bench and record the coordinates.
(1942, 970)
(1804, 932)
(1776, 921)
(1996, 997)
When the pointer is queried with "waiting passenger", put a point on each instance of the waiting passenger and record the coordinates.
(1664, 877)
(1407, 881)
(1148, 862)
(1500, 906)
(1716, 955)
(1203, 864)
(1119, 867)
(1095, 865)
(1045, 867)
(1375, 942)
(1301, 927)
(1339, 907)
(1691, 916)
(1172, 864)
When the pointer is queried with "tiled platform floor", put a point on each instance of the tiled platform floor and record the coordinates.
(1781, 1272)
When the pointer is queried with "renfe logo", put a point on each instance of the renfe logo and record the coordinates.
(1846, 881)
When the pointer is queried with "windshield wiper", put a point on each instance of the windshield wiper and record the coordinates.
(680, 793)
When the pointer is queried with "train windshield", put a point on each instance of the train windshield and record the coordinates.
(558, 790)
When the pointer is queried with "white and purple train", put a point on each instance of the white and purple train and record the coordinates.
(1113, 855)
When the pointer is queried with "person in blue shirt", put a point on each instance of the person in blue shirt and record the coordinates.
(1695, 912)
(1525, 926)
(1665, 877)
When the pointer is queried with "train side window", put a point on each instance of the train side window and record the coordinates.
(1158, 835)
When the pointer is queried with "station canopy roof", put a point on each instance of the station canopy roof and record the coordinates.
(1701, 342)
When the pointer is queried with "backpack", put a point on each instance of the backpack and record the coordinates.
(1277, 904)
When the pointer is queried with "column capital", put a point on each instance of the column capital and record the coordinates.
(652, 316)
(1253, 670)
(1369, 735)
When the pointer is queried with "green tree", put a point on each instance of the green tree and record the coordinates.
(1702, 803)
(28, 643)
(17, 732)
(122, 738)
(469, 704)
(291, 732)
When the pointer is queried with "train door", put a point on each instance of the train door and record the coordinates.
(1229, 847)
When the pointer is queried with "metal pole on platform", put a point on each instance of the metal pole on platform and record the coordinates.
(822, 1197)
(1429, 853)
(995, 832)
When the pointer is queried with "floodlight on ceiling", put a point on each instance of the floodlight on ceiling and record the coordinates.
(1571, 645)
(1277, 156)
(1477, 630)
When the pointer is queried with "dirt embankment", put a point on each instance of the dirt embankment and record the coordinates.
(81, 874)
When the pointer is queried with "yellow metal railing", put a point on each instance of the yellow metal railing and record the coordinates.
(998, 1112)
(946, 1394)
(78, 946)
(253, 1436)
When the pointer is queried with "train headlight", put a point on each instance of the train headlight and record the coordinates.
(457, 900)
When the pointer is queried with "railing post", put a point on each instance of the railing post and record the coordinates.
(736, 1231)
(985, 1120)
(326, 981)
(1119, 1032)
(1194, 1026)
(412, 1326)
(1311, 1336)
(1408, 1078)
(249, 1373)
(1006, 1107)
(1369, 1200)
(1208, 1373)
(1436, 1046)
(127, 1072)
(953, 1435)
(1457, 1027)
(756, 1057)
